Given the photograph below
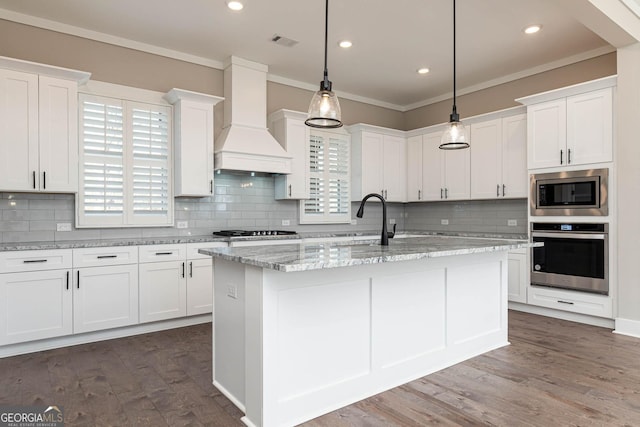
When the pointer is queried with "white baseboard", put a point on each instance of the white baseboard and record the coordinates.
(627, 327)
(564, 315)
(89, 337)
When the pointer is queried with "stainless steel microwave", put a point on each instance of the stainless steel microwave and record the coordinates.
(572, 193)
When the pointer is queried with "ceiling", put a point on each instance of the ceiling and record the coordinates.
(391, 39)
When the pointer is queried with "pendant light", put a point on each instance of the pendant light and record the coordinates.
(324, 110)
(455, 136)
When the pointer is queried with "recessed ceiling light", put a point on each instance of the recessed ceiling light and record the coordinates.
(345, 44)
(532, 29)
(423, 70)
(235, 5)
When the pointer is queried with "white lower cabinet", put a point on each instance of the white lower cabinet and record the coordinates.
(35, 300)
(576, 302)
(200, 278)
(518, 275)
(105, 288)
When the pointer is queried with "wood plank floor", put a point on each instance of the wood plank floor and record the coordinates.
(554, 373)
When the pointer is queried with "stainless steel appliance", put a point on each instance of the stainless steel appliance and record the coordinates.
(574, 256)
(251, 233)
(574, 193)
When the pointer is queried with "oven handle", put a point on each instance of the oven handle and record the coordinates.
(585, 236)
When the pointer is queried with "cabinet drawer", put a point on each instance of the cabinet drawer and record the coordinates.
(159, 253)
(575, 302)
(192, 249)
(98, 257)
(20, 261)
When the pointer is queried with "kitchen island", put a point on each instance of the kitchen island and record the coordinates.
(301, 330)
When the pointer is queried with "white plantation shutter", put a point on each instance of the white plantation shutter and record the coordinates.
(329, 167)
(124, 163)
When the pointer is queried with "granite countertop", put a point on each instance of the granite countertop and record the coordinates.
(315, 256)
(75, 244)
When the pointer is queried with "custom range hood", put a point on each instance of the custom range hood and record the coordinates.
(245, 144)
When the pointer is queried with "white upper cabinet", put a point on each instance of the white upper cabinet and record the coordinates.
(288, 128)
(193, 142)
(498, 158)
(378, 163)
(571, 126)
(39, 122)
(435, 174)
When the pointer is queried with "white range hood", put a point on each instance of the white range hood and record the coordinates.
(245, 143)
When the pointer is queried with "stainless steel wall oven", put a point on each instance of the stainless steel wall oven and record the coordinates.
(575, 193)
(574, 256)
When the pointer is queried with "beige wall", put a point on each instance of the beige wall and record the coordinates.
(504, 95)
(131, 67)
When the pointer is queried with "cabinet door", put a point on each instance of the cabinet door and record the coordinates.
(394, 169)
(58, 146)
(19, 124)
(296, 141)
(432, 167)
(194, 149)
(372, 162)
(590, 127)
(200, 286)
(35, 305)
(457, 170)
(547, 134)
(414, 169)
(486, 159)
(163, 290)
(105, 297)
(518, 276)
(515, 178)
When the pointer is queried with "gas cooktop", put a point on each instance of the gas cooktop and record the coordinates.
(247, 233)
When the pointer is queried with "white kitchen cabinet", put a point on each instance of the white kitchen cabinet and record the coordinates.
(163, 282)
(378, 163)
(105, 288)
(289, 130)
(498, 158)
(193, 142)
(518, 277)
(445, 173)
(200, 278)
(35, 295)
(571, 126)
(39, 118)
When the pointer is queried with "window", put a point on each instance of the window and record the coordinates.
(125, 157)
(329, 175)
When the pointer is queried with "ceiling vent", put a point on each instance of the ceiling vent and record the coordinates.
(284, 41)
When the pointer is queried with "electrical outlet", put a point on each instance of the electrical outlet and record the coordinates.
(286, 222)
(182, 224)
(392, 221)
(444, 222)
(512, 222)
(63, 226)
(232, 292)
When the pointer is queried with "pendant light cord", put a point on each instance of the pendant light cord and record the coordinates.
(326, 39)
(454, 58)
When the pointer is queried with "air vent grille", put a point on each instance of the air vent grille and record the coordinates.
(283, 41)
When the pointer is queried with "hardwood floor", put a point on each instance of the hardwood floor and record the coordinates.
(554, 373)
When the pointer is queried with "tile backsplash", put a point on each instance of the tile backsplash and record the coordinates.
(242, 201)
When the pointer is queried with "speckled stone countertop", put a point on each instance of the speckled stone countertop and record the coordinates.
(315, 256)
(75, 244)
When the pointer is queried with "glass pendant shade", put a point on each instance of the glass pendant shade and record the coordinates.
(455, 136)
(324, 110)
